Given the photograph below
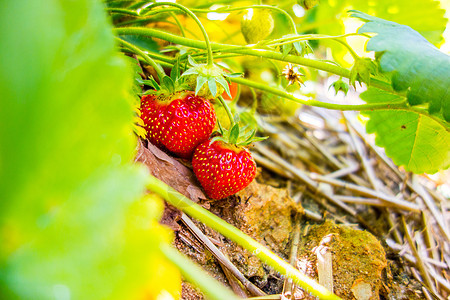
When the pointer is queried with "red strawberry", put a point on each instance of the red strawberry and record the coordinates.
(223, 169)
(178, 123)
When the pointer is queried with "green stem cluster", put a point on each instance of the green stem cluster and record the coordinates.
(147, 58)
(193, 16)
(246, 50)
(320, 65)
(227, 49)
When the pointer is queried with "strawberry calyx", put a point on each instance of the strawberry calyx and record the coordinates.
(208, 81)
(339, 85)
(300, 48)
(362, 70)
(168, 85)
(237, 136)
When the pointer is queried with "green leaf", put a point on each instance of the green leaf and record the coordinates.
(413, 140)
(137, 71)
(416, 65)
(424, 16)
(72, 224)
(142, 42)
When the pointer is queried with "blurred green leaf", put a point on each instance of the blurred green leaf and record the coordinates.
(71, 222)
(424, 16)
(142, 42)
(413, 140)
(416, 65)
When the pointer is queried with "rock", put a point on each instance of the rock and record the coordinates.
(358, 259)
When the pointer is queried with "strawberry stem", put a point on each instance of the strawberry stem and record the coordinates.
(159, 70)
(228, 110)
(193, 16)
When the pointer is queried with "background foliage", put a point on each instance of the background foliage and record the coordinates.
(71, 222)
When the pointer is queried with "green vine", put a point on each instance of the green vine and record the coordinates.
(245, 50)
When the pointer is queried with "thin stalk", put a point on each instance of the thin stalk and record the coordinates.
(174, 16)
(231, 232)
(122, 11)
(277, 9)
(311, 102)
(352, 52)
(149, 17)
(228, 110)
(147, 58)
(193, 16)
(194, 274)
(141, 60)
(307, 37)
(169, 61)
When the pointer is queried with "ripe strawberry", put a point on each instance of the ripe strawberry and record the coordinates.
(177, 123)
(223, 169)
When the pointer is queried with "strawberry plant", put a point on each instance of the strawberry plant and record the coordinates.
(79, 91)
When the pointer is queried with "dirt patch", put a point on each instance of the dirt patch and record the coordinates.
(358, 259)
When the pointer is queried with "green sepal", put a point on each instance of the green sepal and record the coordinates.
(300, 48)
(149, 92)
(196, 77)
(201, 80)
(175, 72)
(189, 72)
(152, 83)
(248, 134)
(192, 61)
(254, 139)
(220, 127)
(218, 138)
(286, 49)
(361, 71)
(224, 84)
(212, 86)
(340, 85)
(234, 134)
(168, 84)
